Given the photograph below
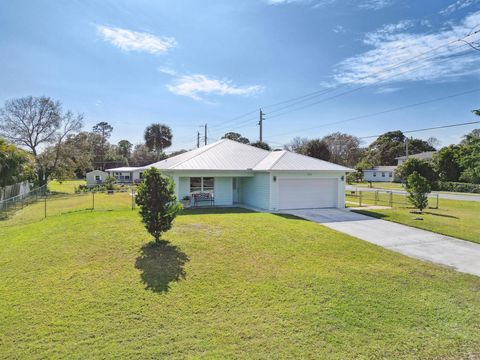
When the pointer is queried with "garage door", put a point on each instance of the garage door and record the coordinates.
(307, 193)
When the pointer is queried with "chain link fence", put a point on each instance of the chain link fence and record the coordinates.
(384, 198)
(40, 204)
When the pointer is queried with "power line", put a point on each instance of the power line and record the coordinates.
(427, 129)
(363, 86)
(312, 95)
(391, 67)
(384, 111)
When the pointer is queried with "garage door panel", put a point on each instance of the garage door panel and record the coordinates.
(307, 193)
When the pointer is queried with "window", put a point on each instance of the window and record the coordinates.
(208, 184)
(195, 184)
(127, 177)
(97, 178)
(198, 184)
(374, 174)
(141, 175)
(383, 174)
(389, 174)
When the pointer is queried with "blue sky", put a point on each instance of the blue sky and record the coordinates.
(186, 63)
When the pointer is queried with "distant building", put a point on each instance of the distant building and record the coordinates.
(427, 155)
(126, 175)
(96, 177)
(380, 174)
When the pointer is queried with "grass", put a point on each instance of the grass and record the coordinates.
(460, 219)
(228, 284)
(398, 186)
(380, 185)
(66, 186)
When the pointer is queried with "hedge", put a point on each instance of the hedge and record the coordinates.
(457, 187)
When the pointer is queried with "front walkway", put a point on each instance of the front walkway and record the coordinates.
(462, 255)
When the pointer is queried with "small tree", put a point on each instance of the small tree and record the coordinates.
(110, 182)
(157, 201)
(418, 189)
(261, 145)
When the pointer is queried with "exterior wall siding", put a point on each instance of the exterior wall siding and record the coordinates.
(222, 190)
(368, 176)
(90, 176)
(274, 195)
(255, 191)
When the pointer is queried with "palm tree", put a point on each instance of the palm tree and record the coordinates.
(158, 137)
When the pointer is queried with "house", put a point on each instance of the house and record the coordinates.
(240, 174)
(96, 177)
(427, 156)
(380, 174)
(126, 175)
(387, 173)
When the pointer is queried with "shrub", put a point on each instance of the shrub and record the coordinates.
(418, 189)
(110, 182)
(457, 187)
(422, 167)
(157, 201)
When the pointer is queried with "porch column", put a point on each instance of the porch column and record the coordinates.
(176, 180)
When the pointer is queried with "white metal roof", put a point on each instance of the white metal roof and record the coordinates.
(427, 155)
(286, 160)
(229, 155)
(124, 168)
(382, 168)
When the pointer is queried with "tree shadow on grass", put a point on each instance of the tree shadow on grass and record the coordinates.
(161, 264)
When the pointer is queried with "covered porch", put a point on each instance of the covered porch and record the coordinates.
(226, 190)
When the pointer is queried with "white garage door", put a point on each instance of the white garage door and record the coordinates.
(307, 193)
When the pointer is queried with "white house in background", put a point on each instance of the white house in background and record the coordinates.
(96, 177)
(380, 174)
(427, 156)
(126, 175)
(239, 174)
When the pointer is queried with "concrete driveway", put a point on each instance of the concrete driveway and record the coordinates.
(462, 255)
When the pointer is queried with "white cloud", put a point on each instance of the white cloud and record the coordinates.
(392, 48)
(339, 29)
(375, 4)
(457, 5)
(386, 32)
(167, 70)
(129, 40)
(387, 90)
(197, 85)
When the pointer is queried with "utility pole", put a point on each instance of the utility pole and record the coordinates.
(406, 146)
(198, 139)
(260, 123)
(205, 134)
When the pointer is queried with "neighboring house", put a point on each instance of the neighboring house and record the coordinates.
(387, 173)
(96, 177)
(427, 155)
(380, 174)
(126, 175)
(238, 174)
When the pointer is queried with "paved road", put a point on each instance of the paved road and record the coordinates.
(440, 195)
(462, 255)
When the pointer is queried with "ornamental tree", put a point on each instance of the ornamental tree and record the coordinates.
(157, 201)
(418, 189)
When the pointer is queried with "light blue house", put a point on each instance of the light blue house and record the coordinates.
(237, 174)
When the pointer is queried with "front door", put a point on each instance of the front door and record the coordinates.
(235, 189)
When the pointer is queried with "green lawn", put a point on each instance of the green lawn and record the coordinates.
(459, 219)
(229, 284)
(380, 185)
(66, 186)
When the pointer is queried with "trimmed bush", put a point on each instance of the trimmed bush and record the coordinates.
(457, 187)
